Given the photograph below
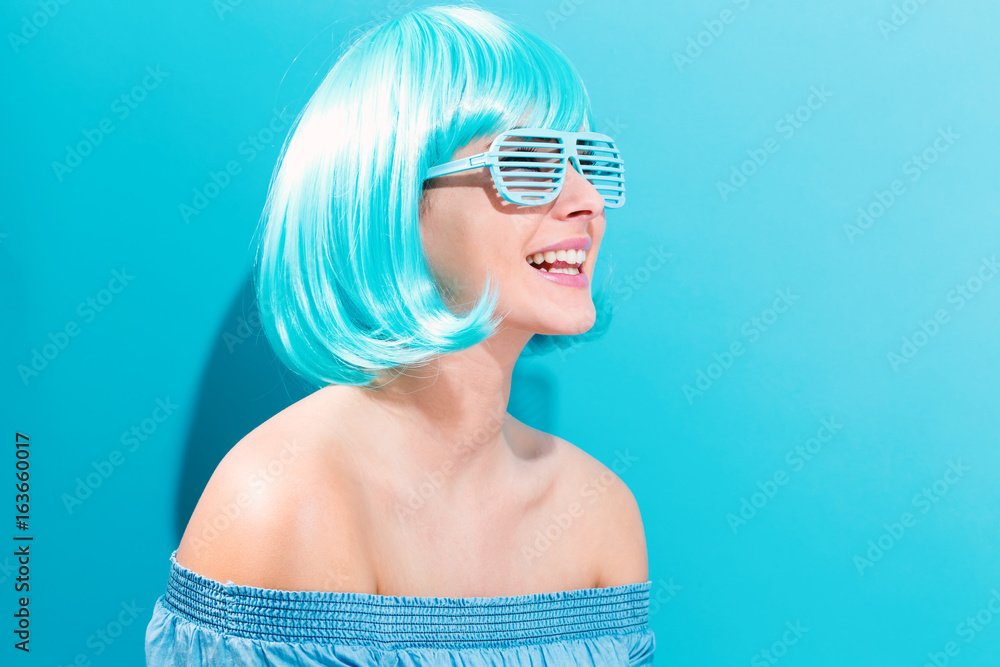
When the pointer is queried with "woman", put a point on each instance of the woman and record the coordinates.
(414, 245)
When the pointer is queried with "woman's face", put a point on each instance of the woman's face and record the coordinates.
(467, 227)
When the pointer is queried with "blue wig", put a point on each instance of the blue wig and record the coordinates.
(344, 290)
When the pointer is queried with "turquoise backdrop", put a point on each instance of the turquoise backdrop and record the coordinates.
(800, 385)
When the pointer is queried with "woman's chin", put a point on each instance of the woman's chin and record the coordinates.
(567, 329)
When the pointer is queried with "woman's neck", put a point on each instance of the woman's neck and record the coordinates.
(447, 416)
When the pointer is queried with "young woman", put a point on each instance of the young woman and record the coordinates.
(438, 209)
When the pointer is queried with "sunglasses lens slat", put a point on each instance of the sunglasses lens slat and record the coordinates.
(529, 161)
(555, 147)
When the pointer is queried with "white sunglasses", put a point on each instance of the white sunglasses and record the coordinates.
(528, 165)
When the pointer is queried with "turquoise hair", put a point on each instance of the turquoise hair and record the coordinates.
(344, 290)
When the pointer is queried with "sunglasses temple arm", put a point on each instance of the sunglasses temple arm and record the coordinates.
(454, 166)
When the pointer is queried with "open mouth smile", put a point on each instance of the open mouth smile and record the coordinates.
(558, 261)
(564, 267)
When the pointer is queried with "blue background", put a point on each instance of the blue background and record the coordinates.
(691, 94)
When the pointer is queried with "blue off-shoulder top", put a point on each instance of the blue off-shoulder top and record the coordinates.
(200, 622)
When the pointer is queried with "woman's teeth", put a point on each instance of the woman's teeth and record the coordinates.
(572, 258)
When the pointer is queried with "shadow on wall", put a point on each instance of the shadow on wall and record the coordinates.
(244, 384)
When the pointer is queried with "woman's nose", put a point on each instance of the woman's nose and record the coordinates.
(578, 191)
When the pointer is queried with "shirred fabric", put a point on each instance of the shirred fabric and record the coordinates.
(199, 622)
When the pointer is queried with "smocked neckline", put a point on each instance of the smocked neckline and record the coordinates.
(270, 614)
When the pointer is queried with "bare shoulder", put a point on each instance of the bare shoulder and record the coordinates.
(615, 523)
(277, 511)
